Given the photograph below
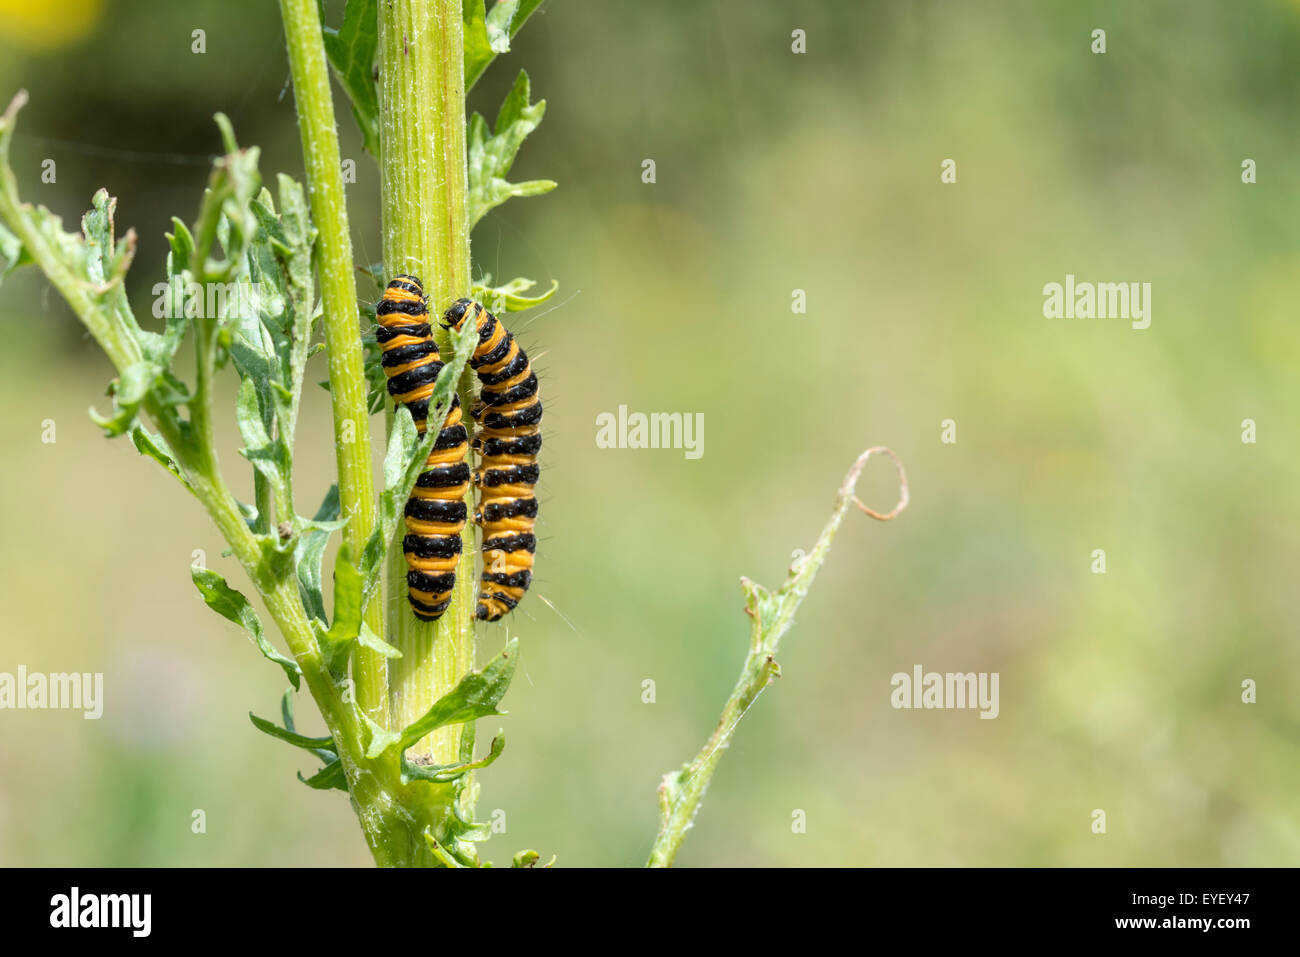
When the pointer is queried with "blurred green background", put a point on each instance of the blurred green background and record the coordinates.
(775, 172)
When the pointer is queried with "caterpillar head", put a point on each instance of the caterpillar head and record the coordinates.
(406, 280)
(456, 314)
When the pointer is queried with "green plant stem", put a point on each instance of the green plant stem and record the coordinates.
(390, 830)
(348, 387)
(394, 816)
(426, 233)
(772, 614)
(121, 349)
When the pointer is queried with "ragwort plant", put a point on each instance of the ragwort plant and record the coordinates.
(399, 697)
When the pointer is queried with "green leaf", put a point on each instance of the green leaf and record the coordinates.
(270, 345)
(376, 378)
(490, 34)
(275, 555)
(381, 739)
(476, 696)
(330, 776)
(128, 391)
(326, 754)
(181, 241)
(376, 644)
(155, 447)
(351, 51)
(286, 709)
(446, 773)
(498, 23)
(292, 737)
(448, 858)
(492, 153)
(309, 552)
(478, 49)
(233, 606)
(295, 254)
(509, 298)
(12, 253)
(107, 260)
(405, 457)
(225, 214)
(336, 643)
(93, 257)
(372, 358)
(255, 416)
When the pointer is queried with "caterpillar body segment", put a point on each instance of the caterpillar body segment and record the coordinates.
(435, 514)
(507, 438)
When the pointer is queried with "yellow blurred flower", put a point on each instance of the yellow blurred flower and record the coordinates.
(43, 25)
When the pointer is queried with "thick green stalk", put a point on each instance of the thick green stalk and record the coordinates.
(771, 614)
(426, 233)
(348, 387)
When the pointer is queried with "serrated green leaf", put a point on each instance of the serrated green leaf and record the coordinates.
(476, 696)
(492, 153)
(487, 34)
(272, 345)
(291, 737)
(233, 606)
(299, 233)
(251, 414)
(351, 51)
(509, 298)
(107, 260)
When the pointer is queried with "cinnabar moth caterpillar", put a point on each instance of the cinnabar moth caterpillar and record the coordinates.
(508, 439)
(435, 512)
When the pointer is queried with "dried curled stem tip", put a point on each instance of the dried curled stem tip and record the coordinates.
(851, 481)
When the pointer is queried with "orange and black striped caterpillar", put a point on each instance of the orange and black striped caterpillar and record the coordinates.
(435, 512)
(508, 438)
